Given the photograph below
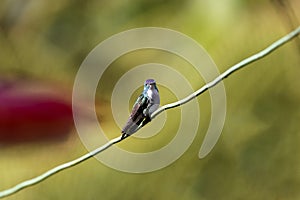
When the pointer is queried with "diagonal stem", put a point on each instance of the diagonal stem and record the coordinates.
(229, 71)
(211, 84)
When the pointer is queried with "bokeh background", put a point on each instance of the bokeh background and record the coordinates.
(43, 43)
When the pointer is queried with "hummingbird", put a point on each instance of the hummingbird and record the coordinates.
(144, 106)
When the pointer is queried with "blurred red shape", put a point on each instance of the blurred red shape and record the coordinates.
(33, 112)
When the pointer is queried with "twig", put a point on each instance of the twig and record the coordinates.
(57, 169)
(211, 84)
(232, 69)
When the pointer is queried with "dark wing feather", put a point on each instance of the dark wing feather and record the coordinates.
(140, 104)
(136, 114)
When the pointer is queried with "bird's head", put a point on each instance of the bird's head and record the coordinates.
(150, 84)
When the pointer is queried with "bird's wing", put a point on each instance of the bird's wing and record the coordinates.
(140, 104)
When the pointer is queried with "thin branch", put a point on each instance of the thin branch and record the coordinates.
(211, 84)
(57, 169)
(232, 69)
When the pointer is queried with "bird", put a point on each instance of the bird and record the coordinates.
(144, 106)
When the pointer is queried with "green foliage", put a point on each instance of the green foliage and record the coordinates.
(257, 156)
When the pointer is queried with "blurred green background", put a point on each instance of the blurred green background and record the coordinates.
(257, 156)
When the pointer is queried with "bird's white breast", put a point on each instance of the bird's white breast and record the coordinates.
(150, 93)
(154, 96)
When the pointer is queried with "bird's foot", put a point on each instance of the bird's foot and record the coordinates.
(146, 120)
(124, 135)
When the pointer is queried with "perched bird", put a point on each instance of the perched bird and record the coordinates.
(144, 106)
